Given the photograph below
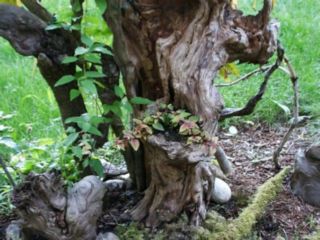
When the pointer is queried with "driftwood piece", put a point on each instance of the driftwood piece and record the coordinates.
(305, 181)
(47, 209)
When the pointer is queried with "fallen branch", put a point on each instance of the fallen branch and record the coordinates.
(295, 123)
(252, 103)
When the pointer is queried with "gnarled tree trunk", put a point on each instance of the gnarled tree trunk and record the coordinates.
(170, 51)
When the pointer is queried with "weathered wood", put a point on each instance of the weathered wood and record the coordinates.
(46, 208)
(181, 178)
(171, 51)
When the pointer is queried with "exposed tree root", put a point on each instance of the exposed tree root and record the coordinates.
(220, 229)
(224, 163)
(295, 123)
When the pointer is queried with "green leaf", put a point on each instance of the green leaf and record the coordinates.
(285, 109)
(77, 151)
(86, 40)
(74, 93)
(194, 118)
(81, 51)
(76, 27)
(70, 59)
(97, 166)
(89, 86)
(74, 119)
(94, 74)
(85, 126)
(64, 80)
(102, 5)
(118, 91)
(140, 100)
(158, 126)
(93, 58)
(71, 139)
(93, 130)
(103, 50)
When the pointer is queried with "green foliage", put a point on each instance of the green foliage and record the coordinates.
(130, 232)
(220, 229)
(176, 122)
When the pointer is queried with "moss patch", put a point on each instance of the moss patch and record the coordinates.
(219, 228)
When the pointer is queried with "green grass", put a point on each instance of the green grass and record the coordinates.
(300, 37)
(25, 94)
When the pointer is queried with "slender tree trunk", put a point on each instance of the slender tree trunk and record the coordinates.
(170, 51)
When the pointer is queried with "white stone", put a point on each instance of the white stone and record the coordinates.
(107, 236)
(222, 192)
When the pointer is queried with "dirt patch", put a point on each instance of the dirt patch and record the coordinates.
(251, 153)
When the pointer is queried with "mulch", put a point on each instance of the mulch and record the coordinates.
(251, 152)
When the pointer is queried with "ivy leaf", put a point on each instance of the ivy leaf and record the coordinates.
(64, 80)
(93, 58)
(81, 51)
(97, 166)
(86, 40)
(74, 93)
(158, 126)
(69, 59)
(89, 86)
(71, 139)
(85, 126)
(93, 130)
(103, 50)
(140, 100)
(102, 5)
(183, 129)
(94, 74)
(135, 144)
(118, 91)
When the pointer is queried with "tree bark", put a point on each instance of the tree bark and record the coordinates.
(170, 51)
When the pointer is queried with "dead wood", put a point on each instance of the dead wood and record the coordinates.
(170, 52)
(45, 207)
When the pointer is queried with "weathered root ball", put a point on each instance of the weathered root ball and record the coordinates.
(46, 208)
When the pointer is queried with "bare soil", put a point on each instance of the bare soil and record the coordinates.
(251, 153)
